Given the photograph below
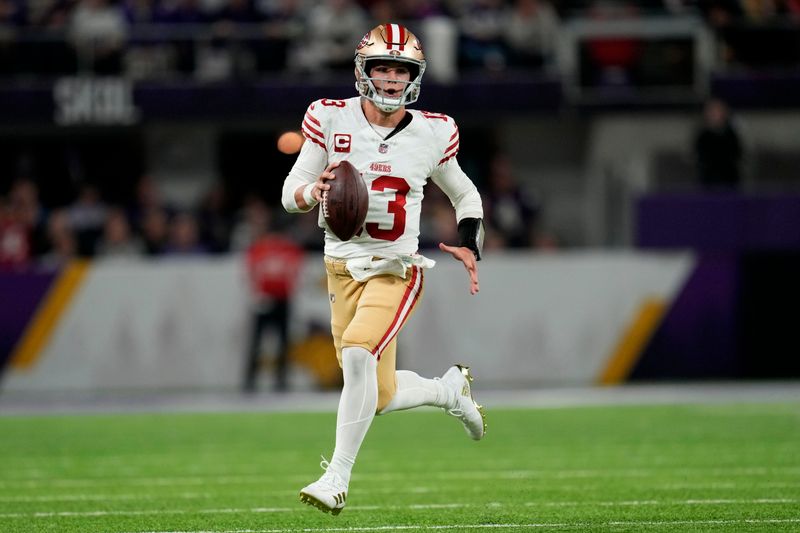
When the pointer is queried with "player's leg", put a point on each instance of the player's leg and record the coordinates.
(452, 392)
(404, 389)
(280, 320)
(392, 301)
(385, 302)
(365, 318)
(330, 491)
(254, 351)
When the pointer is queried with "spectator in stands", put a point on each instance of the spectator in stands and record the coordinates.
(56, 15)
(148, 197)
(87, 215)
(232, 52)
(721, 15)
(184, 236)
(250, 224)
(273, 266)
(531, 33)
(27, 209)
(418, 10)
(383, 10)
(215, 220)
(238, 11)
(118, 241)
(98, 31)
(718, 148)
(154, 227)
(13, 13)
(512, 211)
(15, 249)
(759, 11)
(612, 61)
(63, 242)
(148, 56)
(183, 12)
(140, 11)
(284, 23)
(482, 45)
(327, 41)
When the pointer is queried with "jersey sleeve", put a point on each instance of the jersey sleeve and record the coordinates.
(312, 159)
(447, 134)
(459, 189)
(312, 127)
(447, 174)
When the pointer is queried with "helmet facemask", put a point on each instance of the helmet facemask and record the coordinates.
(366, 87)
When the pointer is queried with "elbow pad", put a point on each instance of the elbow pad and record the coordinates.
(470, 235)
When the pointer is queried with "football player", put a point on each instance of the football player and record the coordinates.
(375, 279)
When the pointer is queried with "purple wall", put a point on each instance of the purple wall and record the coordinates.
(735, 316)
(20, 293)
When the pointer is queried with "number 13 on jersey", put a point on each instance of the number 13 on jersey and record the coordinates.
(395, 207)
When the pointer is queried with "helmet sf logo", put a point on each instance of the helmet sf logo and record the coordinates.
(364, 41)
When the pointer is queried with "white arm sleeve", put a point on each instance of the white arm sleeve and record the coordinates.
(459, 188)
(310, 163)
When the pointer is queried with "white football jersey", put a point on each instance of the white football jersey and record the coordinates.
(395, 171)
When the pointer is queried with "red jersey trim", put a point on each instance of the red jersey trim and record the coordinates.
(313, 139)
(445, 159)
(312, 119)
(403, 311)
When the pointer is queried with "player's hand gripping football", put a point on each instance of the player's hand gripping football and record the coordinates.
(318, 188)
(466, 256)
(321, 184)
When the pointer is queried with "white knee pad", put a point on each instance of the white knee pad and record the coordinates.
(358, 364)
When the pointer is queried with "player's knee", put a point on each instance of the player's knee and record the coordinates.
(354, 359)
(357, 336)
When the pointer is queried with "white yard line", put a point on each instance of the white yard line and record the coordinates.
(582, 487)
(404, 476)
(456, 505)
(107, 497)
(461, 527)
(72, 497)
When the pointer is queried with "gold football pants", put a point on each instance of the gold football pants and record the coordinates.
(370, 314)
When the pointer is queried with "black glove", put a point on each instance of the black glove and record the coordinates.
(470, 235)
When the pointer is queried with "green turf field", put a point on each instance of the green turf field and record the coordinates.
(651, 468)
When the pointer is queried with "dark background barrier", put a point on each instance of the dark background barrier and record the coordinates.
(736, 316)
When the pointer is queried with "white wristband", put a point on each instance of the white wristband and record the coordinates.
(308, 197)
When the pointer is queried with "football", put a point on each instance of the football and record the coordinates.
(345, 204)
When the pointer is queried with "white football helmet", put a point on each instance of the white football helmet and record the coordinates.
(389, 42)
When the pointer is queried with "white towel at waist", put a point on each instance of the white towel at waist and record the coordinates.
(362, 268)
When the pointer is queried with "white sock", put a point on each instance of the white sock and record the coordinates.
(414, 391)
(356, 407)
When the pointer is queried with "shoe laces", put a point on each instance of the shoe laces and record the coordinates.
(457, 412)
(330, 479)
(324, 464)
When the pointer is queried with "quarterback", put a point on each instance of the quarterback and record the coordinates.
(376, 278)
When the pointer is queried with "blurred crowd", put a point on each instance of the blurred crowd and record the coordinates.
(32, 233)
(213, 39)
